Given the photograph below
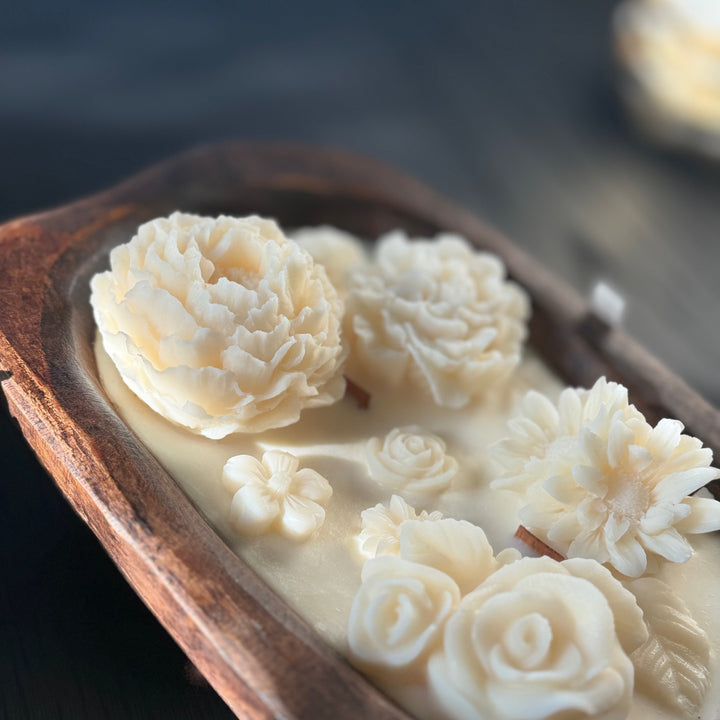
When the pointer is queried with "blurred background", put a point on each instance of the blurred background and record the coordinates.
(512, 109)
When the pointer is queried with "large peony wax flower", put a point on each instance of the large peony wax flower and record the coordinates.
(436, 314)
(221, 324)
(273, 494)
(540, 640)
(602, 483)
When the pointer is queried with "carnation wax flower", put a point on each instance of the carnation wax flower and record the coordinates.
(221, 324)
(275, 495)
(602, 483)
(540, 640)
(436, 314)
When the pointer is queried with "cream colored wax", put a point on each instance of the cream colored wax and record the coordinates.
(320, 577)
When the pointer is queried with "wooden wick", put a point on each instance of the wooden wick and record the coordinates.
(523, 534)
(362, 397)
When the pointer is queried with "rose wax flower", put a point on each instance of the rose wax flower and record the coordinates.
(411, 460)
(540, 640)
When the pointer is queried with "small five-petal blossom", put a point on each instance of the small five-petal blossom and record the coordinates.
(273, 494)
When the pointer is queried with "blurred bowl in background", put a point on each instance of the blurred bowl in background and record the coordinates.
(668, 53)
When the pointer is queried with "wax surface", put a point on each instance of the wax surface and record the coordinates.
(320, 577)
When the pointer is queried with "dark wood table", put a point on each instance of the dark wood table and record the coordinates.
(507, 108)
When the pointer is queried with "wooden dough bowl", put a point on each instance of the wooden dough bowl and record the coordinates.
(257, 653)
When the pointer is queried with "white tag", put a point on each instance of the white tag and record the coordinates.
(607, 303)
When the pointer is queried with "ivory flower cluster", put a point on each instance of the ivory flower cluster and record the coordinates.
(600, 482)
(221, 324)
(478, 628)
(437, 315)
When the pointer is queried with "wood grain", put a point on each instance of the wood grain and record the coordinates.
(257, 653)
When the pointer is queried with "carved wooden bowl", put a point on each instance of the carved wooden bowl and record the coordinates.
(257, 653)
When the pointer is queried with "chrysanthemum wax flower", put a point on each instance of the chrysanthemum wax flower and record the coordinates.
(221, 324)
(608, 485)
(544, 432)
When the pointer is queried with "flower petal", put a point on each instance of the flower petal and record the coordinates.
(590, 478)
(639, 458)
(594, 448)
(311, 485)
(278, 461)
(240, 470)
(615, 527)
(589, 545)
(629, 626)
(569, 411)
(565, 529)
(541, 509)
(704, 516)
(628, 556)
(562, 488)
(664, 438)
(619, 439)
(592, 513)
(668, 544)
(540, 409)
(400, 509)
(678, 485)
(658, 518)
(253, 509)
(300, 517)
(688, 454)
(457, 547)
